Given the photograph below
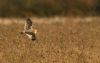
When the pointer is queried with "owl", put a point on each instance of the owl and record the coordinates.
(28, 30)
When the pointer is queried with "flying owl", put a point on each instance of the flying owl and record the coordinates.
(28, 30)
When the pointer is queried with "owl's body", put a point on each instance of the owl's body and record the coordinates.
(31, 35)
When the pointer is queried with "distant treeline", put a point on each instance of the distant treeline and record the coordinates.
(13, 8)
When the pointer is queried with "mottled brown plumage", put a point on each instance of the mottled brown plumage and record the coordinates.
(28, 30)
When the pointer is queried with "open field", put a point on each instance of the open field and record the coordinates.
(69, 41)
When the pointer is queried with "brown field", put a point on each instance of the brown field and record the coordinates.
(69, 41)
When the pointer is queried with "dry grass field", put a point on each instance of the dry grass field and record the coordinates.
(68, 41)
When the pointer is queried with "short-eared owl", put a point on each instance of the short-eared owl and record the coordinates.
(28, 30)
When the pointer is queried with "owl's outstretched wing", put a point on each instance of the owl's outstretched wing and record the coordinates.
(28, 25)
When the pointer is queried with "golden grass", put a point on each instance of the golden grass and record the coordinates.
(71, 42)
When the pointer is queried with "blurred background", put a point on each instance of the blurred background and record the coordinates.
(47, 8)
(68, 31)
